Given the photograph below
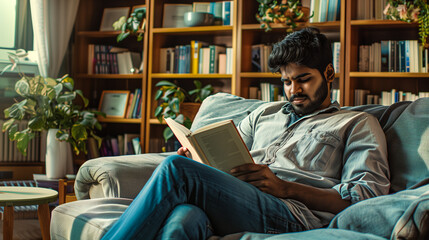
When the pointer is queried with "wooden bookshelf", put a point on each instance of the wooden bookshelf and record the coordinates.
(160, 37)
(87, 32)
(365, 32)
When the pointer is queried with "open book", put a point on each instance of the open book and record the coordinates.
(218, 145)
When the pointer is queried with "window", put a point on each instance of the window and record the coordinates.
(18, 30)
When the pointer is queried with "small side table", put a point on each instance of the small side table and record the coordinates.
(21, 196)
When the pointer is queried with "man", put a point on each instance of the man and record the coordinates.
(313, 160)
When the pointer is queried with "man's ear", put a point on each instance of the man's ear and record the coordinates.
(329, 73)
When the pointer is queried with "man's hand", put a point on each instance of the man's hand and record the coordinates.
(184, 152)
(261, 177)
(321, 199)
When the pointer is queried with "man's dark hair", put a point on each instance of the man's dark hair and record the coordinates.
(306, 47)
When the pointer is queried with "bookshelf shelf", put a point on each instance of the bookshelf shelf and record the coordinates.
(259, 75)
(186, 75)
(21, 164)
(155, 121)
(382, 23)
(120, 120)
(199, 30)
(389, 74)
(111, 76)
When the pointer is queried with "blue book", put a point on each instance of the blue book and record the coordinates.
(323, 10)
(187, 58)
(384, 56)
(402, 56)
(332, 10)
(407, 56)
(226, 13)
(136, 106)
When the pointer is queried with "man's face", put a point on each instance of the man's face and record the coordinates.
(305, 88)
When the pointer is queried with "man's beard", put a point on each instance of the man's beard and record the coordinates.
(313, 105)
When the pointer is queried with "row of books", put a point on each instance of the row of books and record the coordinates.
(371, 9)
(267, 92)
(325, 10)
(261, 53)
(107, 59)
(222, 11)
(134, 106)
(126, 144)
(363, 96)
(393, 56)
(336, 95)
(10, 153)
(198, 58)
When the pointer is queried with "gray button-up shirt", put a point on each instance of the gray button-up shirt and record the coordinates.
(331, 148)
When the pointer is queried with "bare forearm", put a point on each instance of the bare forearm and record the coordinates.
(328, 200)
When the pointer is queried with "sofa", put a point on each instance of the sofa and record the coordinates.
(106, 186)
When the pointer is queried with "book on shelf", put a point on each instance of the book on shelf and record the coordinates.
(218, 145)
(393, 56)
(173, 15)
(204, 63)
(227, 12)
(222, 63)
(370, 9)
(229, 60)
(325, 10)
(127, 61)
(136, 145)
(336, 49)
(271, 92)
(201, 7)
(195, 54)
(128, 143)
(215, 50)
(93, 148)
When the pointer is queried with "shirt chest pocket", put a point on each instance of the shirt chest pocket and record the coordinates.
(314, 149)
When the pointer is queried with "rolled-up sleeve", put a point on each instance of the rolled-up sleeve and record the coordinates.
(365, 171)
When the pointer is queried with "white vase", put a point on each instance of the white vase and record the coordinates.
(58, 156)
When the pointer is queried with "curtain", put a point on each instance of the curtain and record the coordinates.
(53, 22)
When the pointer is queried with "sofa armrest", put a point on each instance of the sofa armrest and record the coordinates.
(119, 176)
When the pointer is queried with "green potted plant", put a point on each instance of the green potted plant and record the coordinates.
(410, 11)
(288, 12)
(131, 25)
(49, 103)
(173, 100)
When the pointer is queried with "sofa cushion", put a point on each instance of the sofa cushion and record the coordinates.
(408, 145)
(86, 219)
(223, 106)
(404, 214)
(406, 126)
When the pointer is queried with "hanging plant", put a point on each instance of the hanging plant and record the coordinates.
(288, 12)
(410, 11)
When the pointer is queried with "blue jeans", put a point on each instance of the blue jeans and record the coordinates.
(188, 200)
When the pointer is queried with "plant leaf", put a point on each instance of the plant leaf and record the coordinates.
(22, 87)
(158, 94)
(22, 140)
(16, 111)
(197, 84)
(167, 134)
(37, 123)
(165, 83)
(78, 132)
(7, 124)
(62, 135)
(158, 111)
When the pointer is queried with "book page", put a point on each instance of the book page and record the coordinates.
(223, 146)
(182, 134)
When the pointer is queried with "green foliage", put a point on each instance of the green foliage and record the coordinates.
(172, 96)
(289, 12)
(130, 26)
(48, 103)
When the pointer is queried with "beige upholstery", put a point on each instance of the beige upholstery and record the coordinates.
(86, 219)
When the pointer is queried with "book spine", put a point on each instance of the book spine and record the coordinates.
(212, 58)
